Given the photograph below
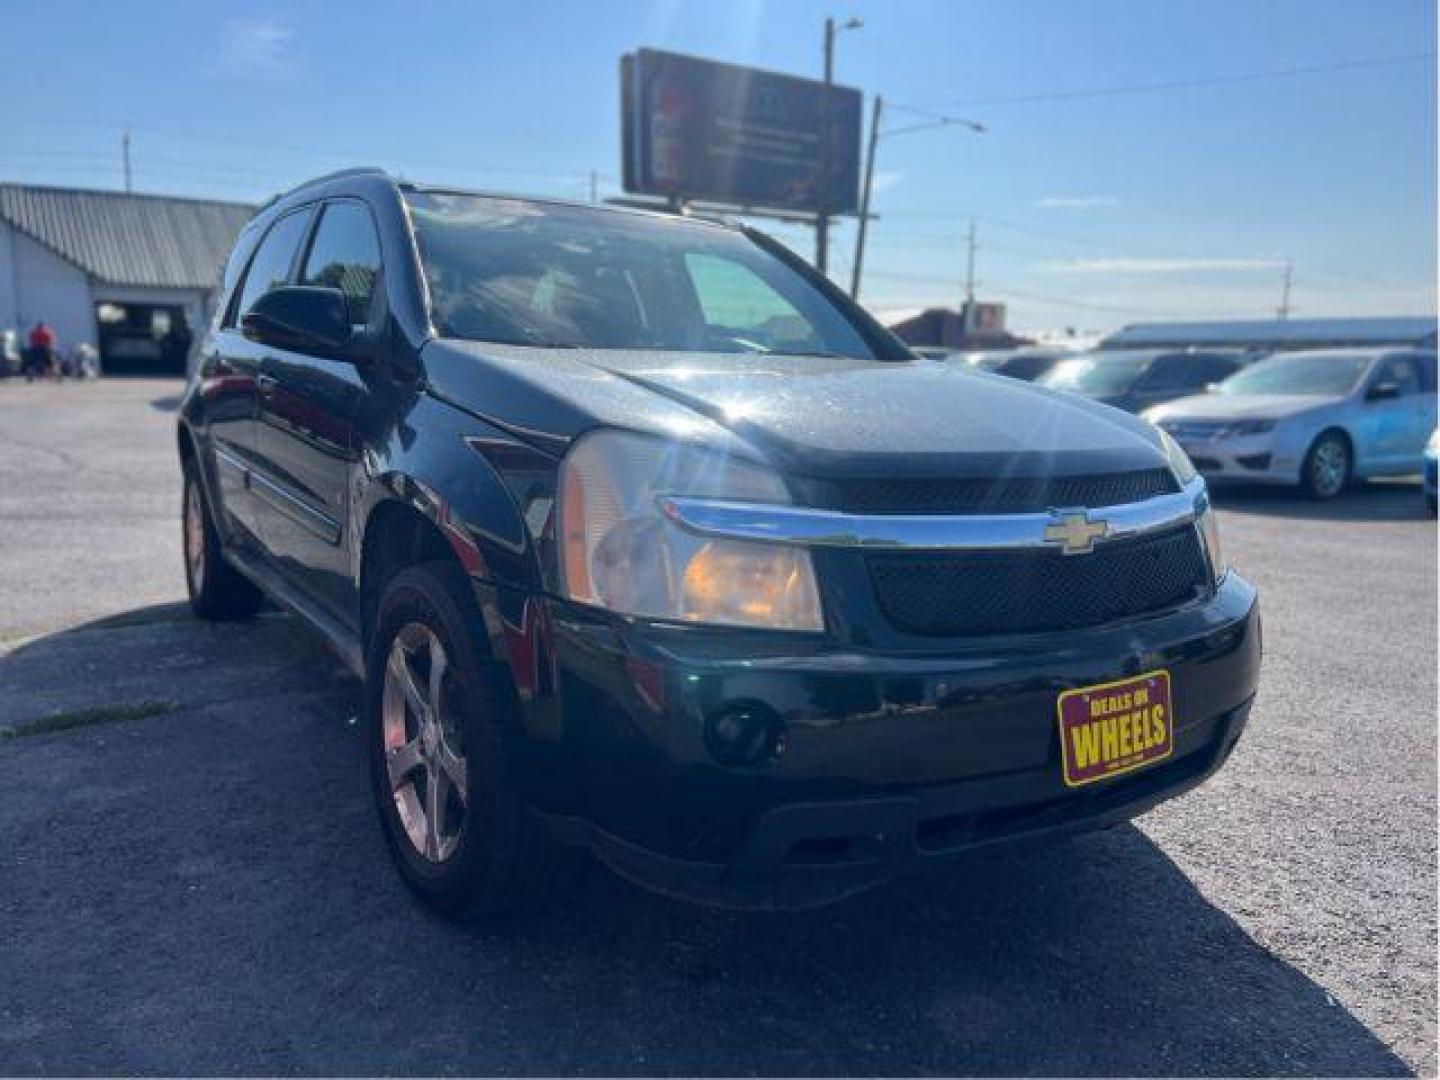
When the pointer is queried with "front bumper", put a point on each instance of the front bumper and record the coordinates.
(1260, 459)
(888, 761)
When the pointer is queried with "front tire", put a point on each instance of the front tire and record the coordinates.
(218, 592)
(1328, 466)
(441, 738)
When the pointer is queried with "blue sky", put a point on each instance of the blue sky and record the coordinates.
(1092, 209)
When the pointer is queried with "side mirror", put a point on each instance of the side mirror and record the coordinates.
(1383, 391)
(300, 318)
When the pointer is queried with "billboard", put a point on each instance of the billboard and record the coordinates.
(697, 129)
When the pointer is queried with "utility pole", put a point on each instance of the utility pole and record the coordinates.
(969, 308)
(125, 155)
(1283, 311)
(593, 179)
(822, 187)
(875, 112)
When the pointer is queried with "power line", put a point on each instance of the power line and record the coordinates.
(1187, 84)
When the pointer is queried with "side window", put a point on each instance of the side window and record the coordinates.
(1168, 373)
(738, 304)
(345, 255)
(270, 268)
(1402, 370)
(1213, 369)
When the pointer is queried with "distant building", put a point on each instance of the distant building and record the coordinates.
(134, 275)
(975, 326)
(1277, 333)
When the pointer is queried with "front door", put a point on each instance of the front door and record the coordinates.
(308, 442)
(230, 383)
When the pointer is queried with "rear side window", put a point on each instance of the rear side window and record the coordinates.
(345, 255)
(270, 268)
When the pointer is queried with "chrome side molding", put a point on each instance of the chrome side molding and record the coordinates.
(778, 524)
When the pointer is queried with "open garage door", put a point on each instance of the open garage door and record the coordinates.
(142, 339)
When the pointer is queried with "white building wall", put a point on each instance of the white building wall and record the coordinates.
(35, 284)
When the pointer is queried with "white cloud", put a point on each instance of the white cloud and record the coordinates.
(1165, 266)
(257, 44)
(1076, 202)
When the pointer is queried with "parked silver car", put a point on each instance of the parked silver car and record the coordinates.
(1316, 419)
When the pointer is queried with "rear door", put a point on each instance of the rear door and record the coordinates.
(231, 379)
(308, 440)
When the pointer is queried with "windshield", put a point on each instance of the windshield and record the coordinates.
(1096, 375)
(522, 273)
(1325, 376)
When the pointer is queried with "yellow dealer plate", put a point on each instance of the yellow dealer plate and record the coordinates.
(1115, 727)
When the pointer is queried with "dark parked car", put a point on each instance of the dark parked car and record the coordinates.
(1025, 364)
(647, 541)
(1136, 379)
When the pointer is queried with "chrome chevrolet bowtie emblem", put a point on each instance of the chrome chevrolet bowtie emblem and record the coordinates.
(1075, 532)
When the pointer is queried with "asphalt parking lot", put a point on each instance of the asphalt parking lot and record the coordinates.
(192, 881)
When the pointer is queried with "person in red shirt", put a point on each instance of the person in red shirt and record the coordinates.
(41, 358)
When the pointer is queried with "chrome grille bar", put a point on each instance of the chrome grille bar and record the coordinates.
(925, 532)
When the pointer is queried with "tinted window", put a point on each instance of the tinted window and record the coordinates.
(1170, 373)
(345, 255)
(1100, 374)
(1403, 371)
(270, 268)
(1215, 368)
(521, 273)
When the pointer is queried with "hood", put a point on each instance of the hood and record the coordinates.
(809, 416)
(1240, 406)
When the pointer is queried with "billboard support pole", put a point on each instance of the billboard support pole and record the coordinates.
(822, 219)
(863, 228)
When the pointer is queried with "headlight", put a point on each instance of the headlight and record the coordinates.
(1205, 521)
(1210, 537)
(619, 552)
(1179, 461)
(1250, 427)
(1432, 445)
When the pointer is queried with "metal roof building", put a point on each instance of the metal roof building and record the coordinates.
(1277, 333)
(134, 275)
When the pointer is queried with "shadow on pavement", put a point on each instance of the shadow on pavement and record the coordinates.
(1379, 501)
(206, 891)
(169, 403)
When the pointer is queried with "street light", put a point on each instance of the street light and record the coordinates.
(936, 120)
(822, 191)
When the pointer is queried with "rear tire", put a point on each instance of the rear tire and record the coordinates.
(447, 743)
(1328, 466)
(218, 592)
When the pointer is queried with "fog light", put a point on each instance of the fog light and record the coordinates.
(742, 734)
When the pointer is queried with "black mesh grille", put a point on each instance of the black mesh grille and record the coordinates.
(1022, 592)
(1006, 495)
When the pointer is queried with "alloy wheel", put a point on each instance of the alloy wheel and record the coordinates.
(1329, 467)
(424, 748)
(195, 537)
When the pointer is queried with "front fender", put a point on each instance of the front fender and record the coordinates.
(474, 482)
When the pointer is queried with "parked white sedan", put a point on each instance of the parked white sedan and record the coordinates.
(1317, 419)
